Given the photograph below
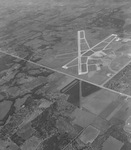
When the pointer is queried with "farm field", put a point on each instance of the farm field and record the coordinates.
(35, 91)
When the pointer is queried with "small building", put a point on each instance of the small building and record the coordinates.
(127, 127)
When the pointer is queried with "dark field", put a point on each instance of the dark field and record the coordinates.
(87, 89)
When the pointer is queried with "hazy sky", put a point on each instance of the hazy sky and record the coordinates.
(23, 2)
(34, 2)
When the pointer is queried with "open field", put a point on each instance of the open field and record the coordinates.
(89, 134)
(97, 102)
(113, 144)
